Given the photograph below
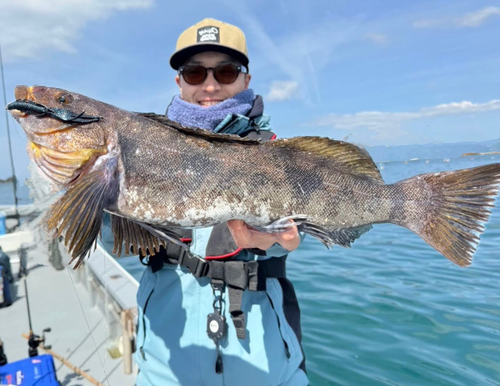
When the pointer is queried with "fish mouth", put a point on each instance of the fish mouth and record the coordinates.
(26, 105)
(20, 93)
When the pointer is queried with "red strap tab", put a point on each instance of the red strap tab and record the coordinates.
(226, 256)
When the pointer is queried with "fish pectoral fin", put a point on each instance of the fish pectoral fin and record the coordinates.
(342, 155)
(141, 238)
(77, 215)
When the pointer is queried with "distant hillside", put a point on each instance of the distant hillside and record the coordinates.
(6, 181)
(431, 151)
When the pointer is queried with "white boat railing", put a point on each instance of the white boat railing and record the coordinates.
(113, 290)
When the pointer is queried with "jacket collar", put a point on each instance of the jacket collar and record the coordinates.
(257, 109)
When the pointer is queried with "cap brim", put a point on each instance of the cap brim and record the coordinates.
(180, 57)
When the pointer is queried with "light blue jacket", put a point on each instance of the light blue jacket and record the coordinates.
(173, 347)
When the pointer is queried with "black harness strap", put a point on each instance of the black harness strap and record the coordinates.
(237, 275)
(240, 275)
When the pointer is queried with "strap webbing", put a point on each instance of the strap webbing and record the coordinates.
(240, 275)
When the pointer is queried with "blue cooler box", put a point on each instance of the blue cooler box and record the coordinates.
(3, 224)
(39, 371)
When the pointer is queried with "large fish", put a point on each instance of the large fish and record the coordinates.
(154, 175)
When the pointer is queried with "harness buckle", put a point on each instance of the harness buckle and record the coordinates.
(197, 266)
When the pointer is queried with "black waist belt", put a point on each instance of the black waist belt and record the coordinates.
(237, 275)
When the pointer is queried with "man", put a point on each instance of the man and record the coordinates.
(7, 279)
(223, 314)
(5, 262)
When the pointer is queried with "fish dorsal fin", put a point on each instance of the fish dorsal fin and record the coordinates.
(196, 132)
(344, 155)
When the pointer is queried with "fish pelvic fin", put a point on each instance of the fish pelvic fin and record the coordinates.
(342, 155)
(343, 237)
(77, 215)
(141, 238)
(459, 205)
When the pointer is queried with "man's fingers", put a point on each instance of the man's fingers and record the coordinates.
(246, 237)
(290, 234)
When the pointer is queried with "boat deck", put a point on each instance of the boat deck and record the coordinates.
(81, 331)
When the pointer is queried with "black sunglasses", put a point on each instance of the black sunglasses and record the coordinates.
(196, 74)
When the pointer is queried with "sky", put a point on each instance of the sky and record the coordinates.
(372, 72)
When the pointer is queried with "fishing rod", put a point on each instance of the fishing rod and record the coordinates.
(76, 369)
(14, 178)
(33, 340)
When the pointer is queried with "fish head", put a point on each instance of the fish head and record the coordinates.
(67, 132)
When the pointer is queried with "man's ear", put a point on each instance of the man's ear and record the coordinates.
(248, 77)
(178, 81)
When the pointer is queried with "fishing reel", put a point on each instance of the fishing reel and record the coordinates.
(35, 340)
(3, 357)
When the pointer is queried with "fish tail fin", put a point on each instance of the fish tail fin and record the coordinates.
(458, 205)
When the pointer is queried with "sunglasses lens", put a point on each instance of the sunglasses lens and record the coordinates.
(223, 73)
(194, 74)
(226, 73)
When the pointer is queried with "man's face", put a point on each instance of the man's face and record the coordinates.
(211, 92)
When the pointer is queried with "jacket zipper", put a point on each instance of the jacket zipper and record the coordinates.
(287, 350)
(141, 349)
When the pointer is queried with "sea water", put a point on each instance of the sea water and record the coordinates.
(393, 311)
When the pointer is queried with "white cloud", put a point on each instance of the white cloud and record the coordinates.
(29, 28)
(377, 38)
(387, 125)
(475, 19)
(472, 19)
(301, 54)
(282, 90)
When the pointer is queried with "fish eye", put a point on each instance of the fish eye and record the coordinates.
(64, 98)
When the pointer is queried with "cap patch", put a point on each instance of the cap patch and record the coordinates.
(208, 35)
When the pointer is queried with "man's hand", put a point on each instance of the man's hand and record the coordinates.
(247, 237)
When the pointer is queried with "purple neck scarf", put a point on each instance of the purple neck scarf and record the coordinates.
(191, 115)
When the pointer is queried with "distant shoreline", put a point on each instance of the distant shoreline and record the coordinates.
(485, 153)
